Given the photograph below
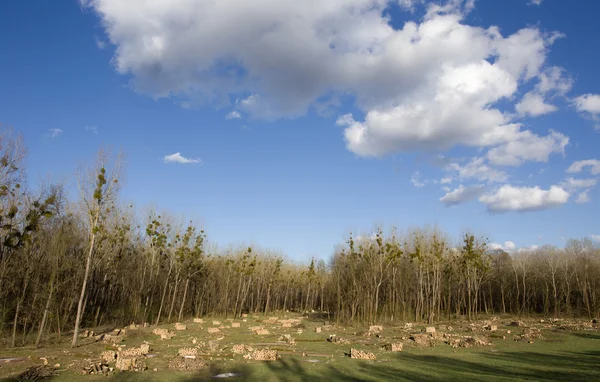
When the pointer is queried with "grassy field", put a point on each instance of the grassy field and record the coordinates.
(566, 353)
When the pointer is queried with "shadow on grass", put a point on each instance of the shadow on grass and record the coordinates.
(467, 365)
(566, 366)
(587, 336)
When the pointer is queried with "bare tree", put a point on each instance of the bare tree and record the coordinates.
(98, 190)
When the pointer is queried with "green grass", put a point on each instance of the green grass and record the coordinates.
(560, 355)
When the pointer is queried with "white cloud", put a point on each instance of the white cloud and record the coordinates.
(533, 104)
(92, 129)
(454, 110)
(408, 5)
(573, 184)
(577, 167)
(365, 239)
(416, 180)
(535, 2)
(586, 184)
(55, 133)
(233, 115)
(528, 147)
(178, 158)
(588, 103)
(461, 195)
(595, 237)
(583, 197)
(99, 43)
(430, 85)
(510, 198)
(446, 180)
(478, 169)
(528, 249)
(552, 81)
(508, 246)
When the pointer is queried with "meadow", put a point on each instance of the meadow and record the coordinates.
(310, 348)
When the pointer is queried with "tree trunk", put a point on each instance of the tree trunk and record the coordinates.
(88, 264)
(173, 299)
(268, 299)
(187, 281)
(19, 302)
(162, 300)
(46, 309)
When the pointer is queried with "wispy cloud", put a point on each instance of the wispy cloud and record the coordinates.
(577, 167)
(416, 180)
(462, 194)
(99, 43)
(55, 133)
(92, 129)
(178, 158)
(583, 197)
(233, 115)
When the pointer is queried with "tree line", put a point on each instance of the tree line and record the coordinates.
(68, 262)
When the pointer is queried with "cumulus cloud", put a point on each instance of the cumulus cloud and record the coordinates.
(55, 132)
(572, 185)
(178, 158)
(522, 199)
(508, 246)
(552, 82)
(233, 115)
(588, 104)
(579, 166)
(452, 111)
(429, 85)
(478, 169)
(535, 2)
(533, 104)
(461, 194)
(528, 147)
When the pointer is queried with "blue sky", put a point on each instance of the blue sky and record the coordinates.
(350, 114)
